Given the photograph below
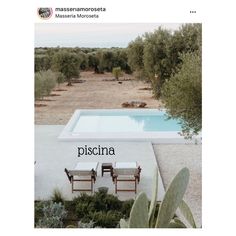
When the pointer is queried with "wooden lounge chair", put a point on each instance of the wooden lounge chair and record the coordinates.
(126, 173)
(83, 172)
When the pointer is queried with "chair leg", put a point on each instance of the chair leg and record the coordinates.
(91, 185)
(115, 185)
(72, 184)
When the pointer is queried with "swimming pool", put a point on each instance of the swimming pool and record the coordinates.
(121, 125)
(123, 121)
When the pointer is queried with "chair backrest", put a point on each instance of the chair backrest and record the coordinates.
(68, 175)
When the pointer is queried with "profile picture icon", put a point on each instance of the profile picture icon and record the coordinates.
(44, 12)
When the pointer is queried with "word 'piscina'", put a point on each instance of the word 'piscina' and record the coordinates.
(95, 151)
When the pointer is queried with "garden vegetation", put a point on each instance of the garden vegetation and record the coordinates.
(100, 210)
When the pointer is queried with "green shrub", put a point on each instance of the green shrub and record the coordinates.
(69, 205)
(91, 207)
(38, 210)
(104, 202)
(108, 219)
(53, 215)
(99, 203)
(103, 209)
(57, 196)
(90, 224)
(126, 207)
(83, 205)
(71, 218)
(117, 72)
(103, 190)
(85, 198)
(81, 209)
(112, 202)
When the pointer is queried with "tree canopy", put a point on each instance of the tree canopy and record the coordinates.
(45, 81)
(67, 63)
(182, 94)
(156, 55)
(135, 57)
(156, 61)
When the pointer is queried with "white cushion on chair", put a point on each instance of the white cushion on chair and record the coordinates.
(84, 168)
(125, 168)
(125, 165)
(87, 166)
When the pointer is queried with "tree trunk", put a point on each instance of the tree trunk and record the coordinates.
(69, 82)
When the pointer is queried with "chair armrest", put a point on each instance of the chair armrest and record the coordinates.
(114, 177)
(137, 175)
(68, 175)
(94, 174)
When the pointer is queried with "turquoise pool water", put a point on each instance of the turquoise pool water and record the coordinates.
(125, 122)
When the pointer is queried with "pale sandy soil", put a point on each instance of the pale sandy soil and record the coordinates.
(94, 93)
(171, 159)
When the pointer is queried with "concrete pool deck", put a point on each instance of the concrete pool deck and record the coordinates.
(52, 157)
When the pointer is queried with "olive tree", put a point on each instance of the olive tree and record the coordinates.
(41, 62)
(135, 57)
(182, 94)
(67, 63)
(99, 67)
(60, 78)
(156, 61)
(38, 86)
(49, 81)
(188, 38)
(45, 81)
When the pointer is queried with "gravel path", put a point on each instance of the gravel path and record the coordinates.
(171, 158)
